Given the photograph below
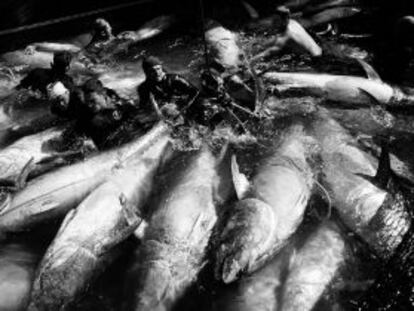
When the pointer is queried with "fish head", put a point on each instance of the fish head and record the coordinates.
(241, 242)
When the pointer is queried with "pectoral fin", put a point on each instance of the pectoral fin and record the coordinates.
(371, 73)
(240, 181)
(22, 178)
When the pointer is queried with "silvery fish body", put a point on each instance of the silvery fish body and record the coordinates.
(379, 215)
(105, 218)
(53, 194)
(270, 209)
(175, 242)
(351, 90)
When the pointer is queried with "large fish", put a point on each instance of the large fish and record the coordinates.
(34, 154)
(294, 280)
(258, 291)
(296, 4)
(317, 7)
(17, 268)
(328, 15)
(223, 45)
(376, 208)
(312, 268)
(174, 245)
(21, 115)
(269, 211)
(124, 40)
(351, 90)
(368, 203)
(294, 39)
(394, 286)
(33, 58)
(54, 194)
(105, 218)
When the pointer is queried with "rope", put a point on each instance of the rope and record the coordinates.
(71, 17)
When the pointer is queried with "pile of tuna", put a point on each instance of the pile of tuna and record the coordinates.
(230, 225)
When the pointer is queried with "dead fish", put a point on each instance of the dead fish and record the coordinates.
(175, 242)
(17, 269)
(350, 90)
(295, 5)
(367, 201)
(223, 45)
(270, 208)
(329, 4)
(22, 114)
(33, 58)
(295, 38)
(328, 16)
(393, 288)
(312, 268)
(53, 47)
(258, 291)
(124, 40)
(53, 194)
(150, 29)
(106, 217)
(33, 153)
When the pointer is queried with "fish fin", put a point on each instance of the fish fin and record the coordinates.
(371, 73)
(107, 244)
(5, 202)
(384, 171)
(240, 181)
(371, 96)
(140, 231)
(22, 178)
(250, 10)
(69, 216)
(223, 154)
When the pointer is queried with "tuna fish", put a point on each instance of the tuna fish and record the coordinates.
(294, 280)
(33, 154)
(328, 15)
(223, 45)
(295, 38)
(33, 58)
(174, 245)
(53, 47)
(329, 4)
(350, 90)
(150, 29)
(312, 268)
(21, 116)
(296, 4)
(106, 217)
(394, 286)
(124, 40)
(368, 202)
(258, 291)
(17, 268)
(270, 209)
(53, 194)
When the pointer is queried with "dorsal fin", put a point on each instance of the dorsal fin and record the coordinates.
(241, 184)
(371, 73)
(384, 166)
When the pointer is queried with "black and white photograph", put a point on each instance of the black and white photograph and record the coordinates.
(207, 155)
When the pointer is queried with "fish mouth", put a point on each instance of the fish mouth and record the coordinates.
(243, 241)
